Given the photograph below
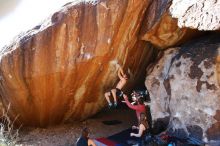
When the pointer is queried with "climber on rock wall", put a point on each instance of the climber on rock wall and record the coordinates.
(117, 92)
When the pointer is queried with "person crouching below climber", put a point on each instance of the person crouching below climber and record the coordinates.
(84, 139)
(142, 129)
(117, 92)
(139, 108)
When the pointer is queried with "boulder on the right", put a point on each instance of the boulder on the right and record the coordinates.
(184, 87)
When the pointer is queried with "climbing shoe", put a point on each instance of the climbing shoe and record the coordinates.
(115, 104)
(110, 105)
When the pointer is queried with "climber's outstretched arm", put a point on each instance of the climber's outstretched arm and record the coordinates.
(121, 73)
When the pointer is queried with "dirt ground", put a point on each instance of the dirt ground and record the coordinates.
(67, 134)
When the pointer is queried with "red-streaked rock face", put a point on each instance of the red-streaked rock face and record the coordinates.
(184, 85)
(61, 68)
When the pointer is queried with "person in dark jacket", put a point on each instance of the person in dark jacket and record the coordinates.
(84, 139)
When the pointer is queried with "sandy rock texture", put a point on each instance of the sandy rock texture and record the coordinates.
(197, 14)
(184, 86)
(60, 69)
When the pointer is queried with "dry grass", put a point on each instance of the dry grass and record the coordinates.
(8, 134)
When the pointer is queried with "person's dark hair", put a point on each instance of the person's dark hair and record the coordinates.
(140, 100)
(85, 132)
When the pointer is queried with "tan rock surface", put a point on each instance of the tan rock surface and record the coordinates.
(184, 86)
(61, 68)
(197, 14)
(161, 29)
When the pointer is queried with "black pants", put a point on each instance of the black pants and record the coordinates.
(139, 141)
